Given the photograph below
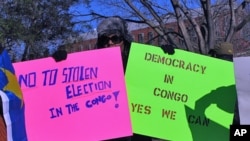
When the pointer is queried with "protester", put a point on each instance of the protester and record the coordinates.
(224, 51)
(113, 31)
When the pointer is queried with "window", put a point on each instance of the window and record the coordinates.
(150, 38)
(89, 47)
(133, 36)
(160, 40)
(140, 38)
(246, 32)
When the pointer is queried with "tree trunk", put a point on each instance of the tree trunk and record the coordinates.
(182, 26)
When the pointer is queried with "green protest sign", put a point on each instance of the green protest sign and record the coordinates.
(185, 96)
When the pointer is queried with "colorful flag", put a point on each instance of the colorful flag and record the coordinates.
(12, 106)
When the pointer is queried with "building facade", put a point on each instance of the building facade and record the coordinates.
(142, 33)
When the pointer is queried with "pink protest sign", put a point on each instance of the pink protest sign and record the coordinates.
(81, 98)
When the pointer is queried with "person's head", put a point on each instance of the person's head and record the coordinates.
(113, 31)
(223, 51)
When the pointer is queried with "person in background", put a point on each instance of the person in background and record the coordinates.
(224, 51)
(113, 31)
